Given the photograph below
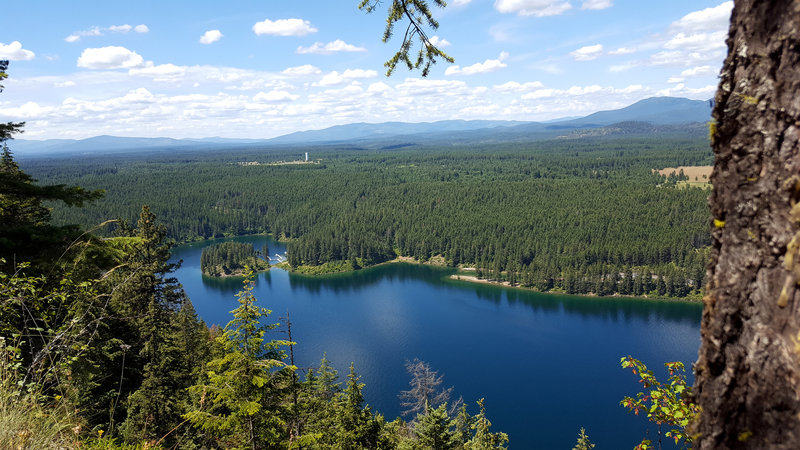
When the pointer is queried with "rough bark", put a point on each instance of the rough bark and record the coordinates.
(748, 372)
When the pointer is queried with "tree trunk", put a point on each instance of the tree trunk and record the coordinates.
(748, 372)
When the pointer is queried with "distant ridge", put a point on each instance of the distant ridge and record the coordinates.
(664, 111)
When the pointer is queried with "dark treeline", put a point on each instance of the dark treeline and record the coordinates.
(578, 215)
(231, 258)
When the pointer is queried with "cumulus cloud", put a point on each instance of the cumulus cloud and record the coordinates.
(284, 27)
(300, 71)
(596, 4)
(15, 52)
(331, 47)
(490, 65)
(695, 39)
(681, 90)
(513, 86)
(63, 84)
(162, 72)
(582, 91)
(378, 88)
(210, 36)
(537, 8)
(111, 57)
(715, 18)
(700, 71)
(334, 78)
(418, 87)
(461, 2)
(101, 31)
(439, 42)
(275, 96)
(588, 52)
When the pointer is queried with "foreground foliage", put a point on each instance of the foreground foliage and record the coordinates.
(665, 403)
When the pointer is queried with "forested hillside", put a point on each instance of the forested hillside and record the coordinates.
(579, 215)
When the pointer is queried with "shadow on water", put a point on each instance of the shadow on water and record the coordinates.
(612, 309)
(354, 281)
(227, 285)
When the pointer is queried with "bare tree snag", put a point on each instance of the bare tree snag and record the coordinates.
(748, 372)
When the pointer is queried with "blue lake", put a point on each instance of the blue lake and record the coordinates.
(547, 365)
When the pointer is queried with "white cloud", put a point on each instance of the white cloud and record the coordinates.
(300, 71)
(513, 86)
(461, 2)
(275, 96)
(490, 65)
(162, 72)
(706, 42)
(596, 4)
(680, 90)
(582, 91)
(715, 18)
(359, 73)
(538, 8)
(120, 28)
(700, 71)
(418, 87)
(622, 51)
(673, 80)
(334, 78)
(64, 84)
(111, 57)
(331, 47)
(695, 39)
(284, 27)
(331, 79)
(439, 42)
(378, 88)
(100, 31)
(15, 52)
(588, 52)
(75, 37)
(210, 36)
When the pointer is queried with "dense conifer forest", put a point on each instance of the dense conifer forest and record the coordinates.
(575, 215)
(232, 258)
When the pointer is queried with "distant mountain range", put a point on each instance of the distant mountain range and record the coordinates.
(661, 113)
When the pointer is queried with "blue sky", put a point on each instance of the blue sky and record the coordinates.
(258, 69)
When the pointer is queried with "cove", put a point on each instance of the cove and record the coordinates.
(546, 364)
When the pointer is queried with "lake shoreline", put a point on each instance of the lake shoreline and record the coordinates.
(438, 261)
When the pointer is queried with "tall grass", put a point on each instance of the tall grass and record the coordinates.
(27, 421)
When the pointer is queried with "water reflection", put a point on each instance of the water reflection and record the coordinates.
(354, 281)
(613, 309)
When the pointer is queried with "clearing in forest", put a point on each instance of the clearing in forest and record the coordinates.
(699, 176)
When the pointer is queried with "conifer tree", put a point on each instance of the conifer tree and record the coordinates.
(238, 402)
(434, 429)
(483, 438)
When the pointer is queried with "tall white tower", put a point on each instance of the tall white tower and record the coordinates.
(306, 156)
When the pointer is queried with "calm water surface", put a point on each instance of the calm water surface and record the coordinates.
(546, 364)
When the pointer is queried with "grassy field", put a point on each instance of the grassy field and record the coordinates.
(699, 176)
